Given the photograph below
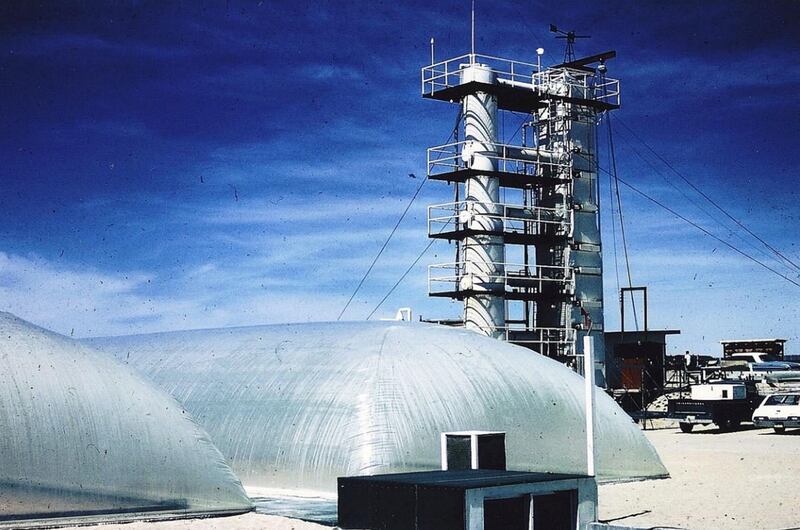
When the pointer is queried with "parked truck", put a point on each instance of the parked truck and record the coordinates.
(725, 404)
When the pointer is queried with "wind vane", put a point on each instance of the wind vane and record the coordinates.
(570, 36)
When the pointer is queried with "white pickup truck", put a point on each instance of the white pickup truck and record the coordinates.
(779, 411)
(726, 404)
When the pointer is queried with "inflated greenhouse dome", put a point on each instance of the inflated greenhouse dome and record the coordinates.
(84, 438)
(295, 406)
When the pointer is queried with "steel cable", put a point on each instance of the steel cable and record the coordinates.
(394, 229)
(710, 200)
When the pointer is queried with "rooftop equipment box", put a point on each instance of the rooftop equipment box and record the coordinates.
(475, 499)
(722, 391)
(473, 450)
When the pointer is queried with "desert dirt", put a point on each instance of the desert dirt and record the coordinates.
(737, 480)
(740, 480)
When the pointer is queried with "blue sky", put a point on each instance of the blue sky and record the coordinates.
(182, 165)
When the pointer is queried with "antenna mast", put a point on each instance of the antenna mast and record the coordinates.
(472, 55)
(570, 36)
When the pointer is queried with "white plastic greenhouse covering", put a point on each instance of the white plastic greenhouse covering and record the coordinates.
(84, 438)
(295, 406)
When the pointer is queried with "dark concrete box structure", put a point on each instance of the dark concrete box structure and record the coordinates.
(477, 499)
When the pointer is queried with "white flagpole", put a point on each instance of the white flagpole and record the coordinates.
(588, 375)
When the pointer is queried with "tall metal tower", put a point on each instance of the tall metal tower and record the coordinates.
(525, 218)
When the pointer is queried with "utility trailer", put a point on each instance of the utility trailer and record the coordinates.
(725, 404)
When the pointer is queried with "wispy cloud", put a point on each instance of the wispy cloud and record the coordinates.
(83, 303)
(331, 72)
(60, 43)
(364, 214)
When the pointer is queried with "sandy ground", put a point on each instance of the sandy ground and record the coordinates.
(741, 480)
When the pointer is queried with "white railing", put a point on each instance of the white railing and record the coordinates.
(566, 82)
(495, 277)
(507, 158)
(545, 81)
(512, 218)
(547, 341)
(524, 335)
(447, 73)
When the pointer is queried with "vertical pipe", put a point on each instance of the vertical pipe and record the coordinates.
(443, 450)
(484, 252)
(644, 290)
(530, 512)
(588, 376)
(525, 249)
(473, 449)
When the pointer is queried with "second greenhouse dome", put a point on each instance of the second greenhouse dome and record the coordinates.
(295, 406)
